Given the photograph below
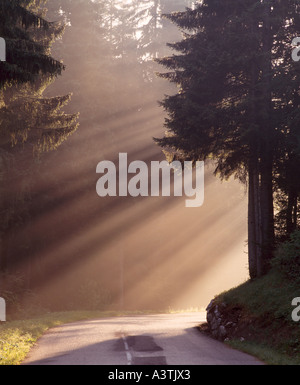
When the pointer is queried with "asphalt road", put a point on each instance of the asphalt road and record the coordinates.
(171, 339)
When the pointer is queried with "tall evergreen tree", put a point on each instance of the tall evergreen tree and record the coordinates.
(231, 106)
(30, 124)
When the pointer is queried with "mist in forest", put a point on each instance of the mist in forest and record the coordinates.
(78, 249)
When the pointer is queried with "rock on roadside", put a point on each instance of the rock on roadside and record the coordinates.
(222, 323)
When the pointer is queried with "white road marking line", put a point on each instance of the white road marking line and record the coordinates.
(128, 354)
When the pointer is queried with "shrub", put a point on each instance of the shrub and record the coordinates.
(287, 257)
(21, 302)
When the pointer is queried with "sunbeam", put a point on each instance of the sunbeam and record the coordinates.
(142, 252)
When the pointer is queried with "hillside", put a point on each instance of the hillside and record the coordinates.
(256, 317)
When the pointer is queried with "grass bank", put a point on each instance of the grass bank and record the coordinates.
(267, 329)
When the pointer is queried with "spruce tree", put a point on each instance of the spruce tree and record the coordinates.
(231, 103)
(26, 58)
(30, 124)
(25, 115)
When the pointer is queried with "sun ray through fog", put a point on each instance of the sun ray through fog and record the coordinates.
(147, 252)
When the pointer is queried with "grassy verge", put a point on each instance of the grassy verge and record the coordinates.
(18, 337)
(268, 330)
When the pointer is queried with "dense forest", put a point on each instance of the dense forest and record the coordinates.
(85, 80)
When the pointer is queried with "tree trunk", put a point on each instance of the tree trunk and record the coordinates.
(253, 222)
(267, 211)
(254, 212)
(291, 211)
(266, 148)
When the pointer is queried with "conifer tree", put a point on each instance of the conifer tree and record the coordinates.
(30, 124)
(26, 58)
(237, 85)
(25, 115)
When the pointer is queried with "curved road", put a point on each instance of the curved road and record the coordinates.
(164, 339)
